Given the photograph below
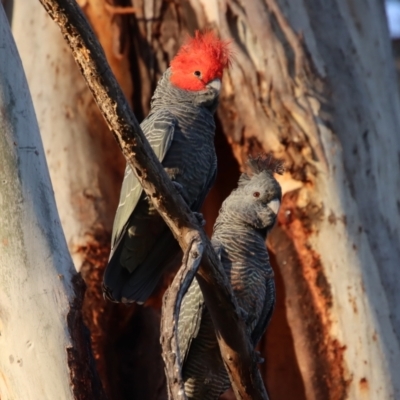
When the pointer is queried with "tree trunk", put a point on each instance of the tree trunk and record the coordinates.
(85, 164)
(43, 346)
(326, 102)
(328, 105)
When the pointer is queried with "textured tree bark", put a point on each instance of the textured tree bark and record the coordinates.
(326, 102)
(44, 350)
(236, 348)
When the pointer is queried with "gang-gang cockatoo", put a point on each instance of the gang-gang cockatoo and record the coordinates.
(240, 231)
(180, 129)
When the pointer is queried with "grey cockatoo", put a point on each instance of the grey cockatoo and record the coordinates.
(240, 231)
(180, 129)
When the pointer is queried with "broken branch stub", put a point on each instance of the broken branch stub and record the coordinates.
(236, 349)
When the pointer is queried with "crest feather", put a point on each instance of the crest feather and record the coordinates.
(265, 163)
(207, 45)
(243, 180)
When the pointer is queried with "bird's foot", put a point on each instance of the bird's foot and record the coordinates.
(178, 186)
(243, 314)
(218, 251)
(182, 191)
(128, 302)
(200, 218)
(107, 294)
(247, 317)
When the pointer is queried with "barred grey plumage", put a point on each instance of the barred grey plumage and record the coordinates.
(240, 231)
(180, 129)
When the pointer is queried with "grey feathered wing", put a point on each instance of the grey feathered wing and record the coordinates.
(190, 318)
(143, 280)
(266, 312)
(203, 371)
(159, 130)
(191, 312)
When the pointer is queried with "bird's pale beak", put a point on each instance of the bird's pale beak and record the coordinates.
(215, 84)
(274, 205)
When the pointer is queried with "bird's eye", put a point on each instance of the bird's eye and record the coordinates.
(256, 194)
(197, 73)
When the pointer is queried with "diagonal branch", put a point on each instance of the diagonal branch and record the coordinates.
(236, 348)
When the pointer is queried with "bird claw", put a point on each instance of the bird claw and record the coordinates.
(200, 218)
(218, 252)
(247, 317)
(243, 314)
(178, 186)
(128, 302)
(181, 190)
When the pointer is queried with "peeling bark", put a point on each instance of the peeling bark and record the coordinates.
(85, 380)
(280, 370)
(308, 95)
(110, 24)
(322, 358)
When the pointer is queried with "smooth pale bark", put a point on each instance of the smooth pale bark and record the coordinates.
(329, 106)
(85, 164)
(36, 268)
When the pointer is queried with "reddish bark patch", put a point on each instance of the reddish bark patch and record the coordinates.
(85, 381)
(125, 339)
(364, 384)
(310, 298)
(280, 370)
(95, 309)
